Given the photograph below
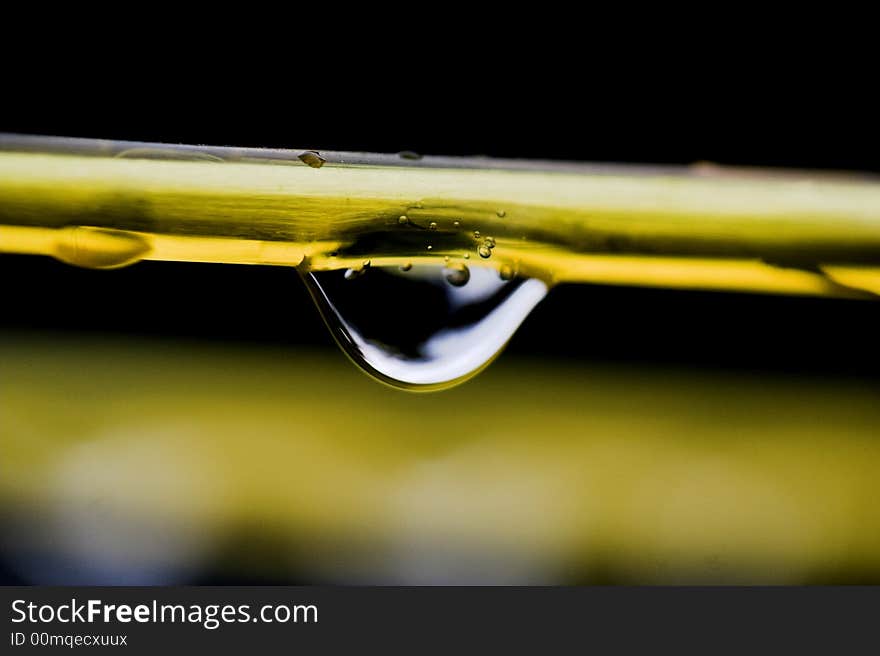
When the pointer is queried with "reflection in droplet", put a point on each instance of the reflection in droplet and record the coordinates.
(457, 275)
(423, 331)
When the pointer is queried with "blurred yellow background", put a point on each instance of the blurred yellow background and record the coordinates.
(127, 461)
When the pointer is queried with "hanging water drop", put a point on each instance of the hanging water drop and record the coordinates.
(429, 329)
(457, 275)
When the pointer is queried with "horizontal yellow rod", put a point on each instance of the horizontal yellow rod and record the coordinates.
(106, 204)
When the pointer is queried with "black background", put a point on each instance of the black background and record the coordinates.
(790, 107)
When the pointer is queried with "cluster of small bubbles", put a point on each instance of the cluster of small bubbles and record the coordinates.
(406, 267)
(485, 249)
(476, 234)
(457, 275)
(501, 214)
(432, 225)
(403, 219)
(506, 272)
(351, 274)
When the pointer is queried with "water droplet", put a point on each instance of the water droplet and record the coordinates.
(506, 272)
(467, 256)
(312, 158)
(422, 331)
(457, 275)
(476, 234)
(456, 224)
(167, 153)
(403, 219)
(430, 248)
(406, 267)
(408, 154)
(432, 225)
(484, 251)
(501, 214)
(446, 258)
(351, 274)
(490, 242)
(99, 248)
